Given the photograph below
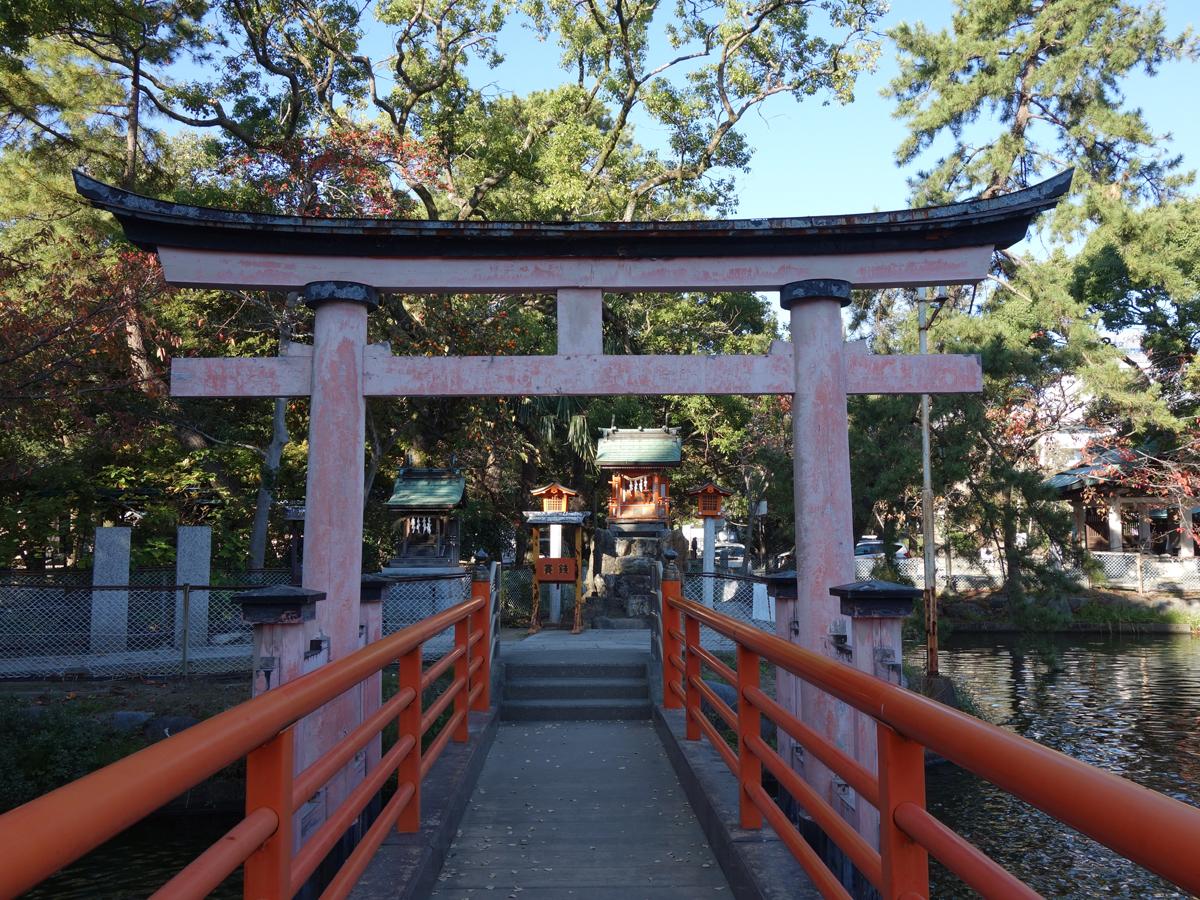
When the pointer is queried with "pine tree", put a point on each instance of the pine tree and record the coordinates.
(1023, 89)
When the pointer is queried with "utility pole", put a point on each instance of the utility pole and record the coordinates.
(931, 618)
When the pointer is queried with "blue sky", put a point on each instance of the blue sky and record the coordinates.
(813, 159)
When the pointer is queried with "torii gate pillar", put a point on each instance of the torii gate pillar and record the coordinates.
(334, 499)
(824, 524)
(337, 431)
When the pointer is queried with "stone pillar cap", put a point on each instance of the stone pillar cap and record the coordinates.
(318, 292)
(815, 289)
(873, 598)
(373, 586)
(278, 604)
(781, 585)
(482, 570)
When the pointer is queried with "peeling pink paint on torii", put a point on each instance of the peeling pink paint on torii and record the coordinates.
(340, 264)
(385, 375)
(246, 269)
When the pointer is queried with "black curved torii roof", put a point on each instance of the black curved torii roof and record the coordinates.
(999, 221)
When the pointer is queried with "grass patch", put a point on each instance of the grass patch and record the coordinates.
(1121, 614)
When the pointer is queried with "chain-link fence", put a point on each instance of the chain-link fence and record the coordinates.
(56, 628)
(1127, 571)
(961, 575)
(102, 631)
(516, 598)
(741, 597)
(411, 598)
(1139, 572)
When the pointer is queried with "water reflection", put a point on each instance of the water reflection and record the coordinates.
(1128, 705)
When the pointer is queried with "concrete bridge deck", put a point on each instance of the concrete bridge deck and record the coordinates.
(580, 803)
(586, 810)
(579, 809)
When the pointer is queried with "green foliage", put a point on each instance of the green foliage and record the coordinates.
(1039, 616)
(1048, 76)
(47, 746)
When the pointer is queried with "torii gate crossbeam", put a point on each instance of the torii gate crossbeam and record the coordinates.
(341, 264)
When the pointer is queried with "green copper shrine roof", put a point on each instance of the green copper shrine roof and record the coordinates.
(652, 448)
(428, 489)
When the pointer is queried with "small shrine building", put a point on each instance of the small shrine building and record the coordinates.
(639, 504)
(426, 503)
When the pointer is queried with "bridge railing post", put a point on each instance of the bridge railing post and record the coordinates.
(462, 676)
(670, 624)
(749, 724)
(269, 776)
(901, 780)
(691, 634)
(409, 725)
(481, 588)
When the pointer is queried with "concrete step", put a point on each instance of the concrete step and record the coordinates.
(578, 688)
(614, 623)
(573, 710)
(573, 670)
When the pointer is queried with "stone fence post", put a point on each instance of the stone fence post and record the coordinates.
(193, 566)
(110, 608)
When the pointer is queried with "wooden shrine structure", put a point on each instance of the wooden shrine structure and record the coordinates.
(426, 503)
(556, 568)
(340, 266)
(710, 506)
(636, 460)
(710, 500)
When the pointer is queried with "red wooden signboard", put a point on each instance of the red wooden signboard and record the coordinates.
(556, 570)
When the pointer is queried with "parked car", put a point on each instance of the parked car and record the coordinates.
(871, 547)
(734, 555)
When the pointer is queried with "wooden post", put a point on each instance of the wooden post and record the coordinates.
(534, 625)
(481, 588)
(462, 677)
(671, 648)
(578, 627)
(901, 780)
(269, 769)
(749, 725)
(691, 633)
(409, 725)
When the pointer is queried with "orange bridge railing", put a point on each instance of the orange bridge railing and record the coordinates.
(1151, 829)
(58, 828)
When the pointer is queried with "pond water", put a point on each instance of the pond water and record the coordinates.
(139, 861)
(1128, 705)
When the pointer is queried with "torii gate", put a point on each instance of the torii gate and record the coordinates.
(341, 264)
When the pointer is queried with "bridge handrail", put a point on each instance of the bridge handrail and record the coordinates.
(1149, 828)
(58, 828)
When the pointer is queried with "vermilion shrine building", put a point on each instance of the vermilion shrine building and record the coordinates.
(636, 460)
(341, 265)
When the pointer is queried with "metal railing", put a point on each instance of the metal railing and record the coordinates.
(1151, 829)
(60, 827)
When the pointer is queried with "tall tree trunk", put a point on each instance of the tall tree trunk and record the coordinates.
(269, 473)
(1013, 586)
(129, 176)
(748, 478)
